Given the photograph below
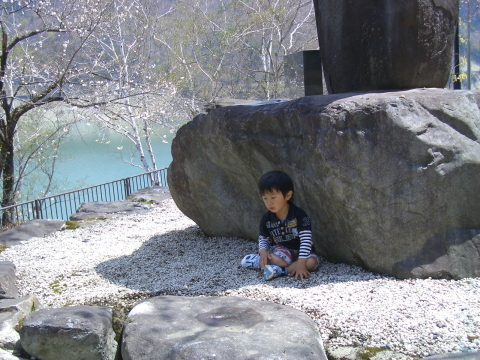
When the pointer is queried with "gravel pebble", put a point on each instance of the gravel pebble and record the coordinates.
(163, 252)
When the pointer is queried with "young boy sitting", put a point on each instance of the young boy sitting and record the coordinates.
(285, 241)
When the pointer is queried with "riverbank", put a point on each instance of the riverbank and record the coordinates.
(163, 252)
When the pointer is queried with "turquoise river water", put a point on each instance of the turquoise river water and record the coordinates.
(90, 157)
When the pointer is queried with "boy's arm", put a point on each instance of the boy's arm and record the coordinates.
(305, 243)
(263, 246)
(300, 268)
(264, 242)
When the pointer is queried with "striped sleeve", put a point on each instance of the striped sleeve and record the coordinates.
(263, 243)
(305, 243)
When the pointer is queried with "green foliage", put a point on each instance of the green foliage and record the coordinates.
(19, 325)
(56, 286)
(119, 316)
(143, 201)
(370, 352)
(71, 225)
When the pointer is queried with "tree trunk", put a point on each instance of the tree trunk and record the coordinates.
(8, 176)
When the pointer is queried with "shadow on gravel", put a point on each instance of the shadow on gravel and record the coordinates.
(188, 263)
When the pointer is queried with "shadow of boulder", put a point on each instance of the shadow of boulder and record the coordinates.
(187, 262)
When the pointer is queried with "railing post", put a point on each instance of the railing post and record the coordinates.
(38, 210)
(127, 187)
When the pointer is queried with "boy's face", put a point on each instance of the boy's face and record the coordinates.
(276, 202)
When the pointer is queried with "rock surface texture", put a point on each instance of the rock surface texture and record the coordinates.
(8, 288)
(173, 327)
(95, 210)
(390, 180)
(12, 313)
(34, 228)
(153, 195)
(384, 45)
(75, 332)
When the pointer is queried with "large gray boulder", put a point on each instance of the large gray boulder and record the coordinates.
(390, 180)
(222, 328)
(74, 333)
(384, 45)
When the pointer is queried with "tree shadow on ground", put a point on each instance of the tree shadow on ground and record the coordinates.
(188, 263)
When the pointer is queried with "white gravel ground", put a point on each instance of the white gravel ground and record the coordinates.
(164, 252)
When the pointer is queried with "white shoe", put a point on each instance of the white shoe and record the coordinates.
(251, 261)
(271, 271)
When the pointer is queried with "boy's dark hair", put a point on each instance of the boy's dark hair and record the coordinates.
(276, 180)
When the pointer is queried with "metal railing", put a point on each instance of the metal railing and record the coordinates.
(63, 205)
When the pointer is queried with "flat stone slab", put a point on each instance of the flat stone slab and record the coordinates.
(222, 328)
(99, 209)
(133, 205)
(155, 194)
(33, 228)
(87, 211)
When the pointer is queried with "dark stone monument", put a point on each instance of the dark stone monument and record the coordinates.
(303, 74)
(385, 45)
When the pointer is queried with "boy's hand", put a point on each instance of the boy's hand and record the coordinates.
(299, 270)
(264, 257)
